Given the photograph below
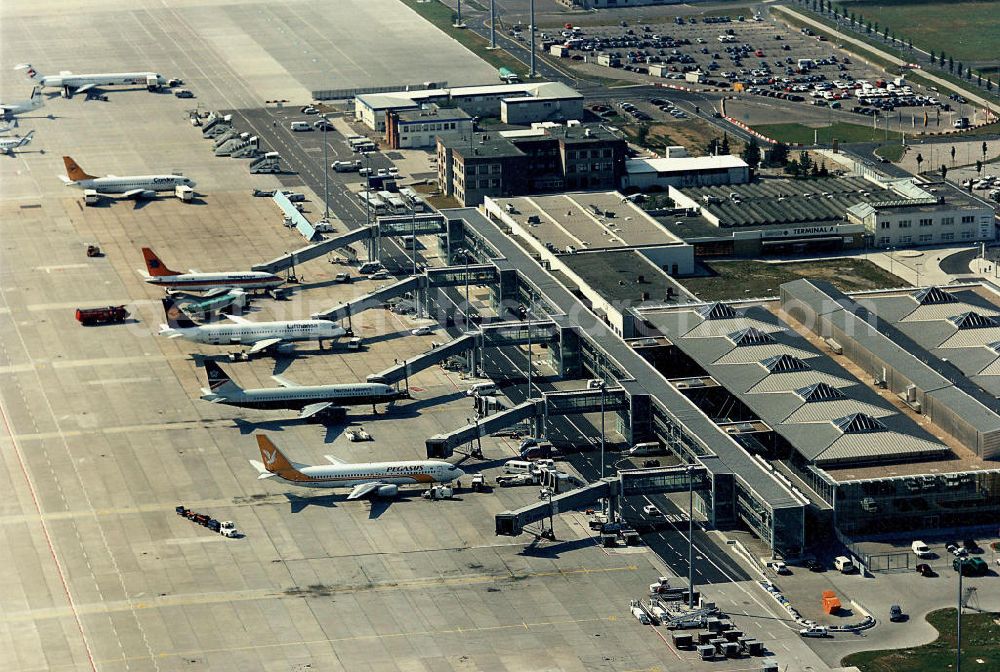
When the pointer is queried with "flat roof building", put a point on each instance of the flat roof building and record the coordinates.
(555, 102)
(688, 171)
(544, 159)
(408, 129)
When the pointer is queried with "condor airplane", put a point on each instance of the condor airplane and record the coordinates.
(71, 83)
(381, 479)
(8, 145)
(129, 186)
(261, 336)
(309, 400)
(10, 110)
(193, 280)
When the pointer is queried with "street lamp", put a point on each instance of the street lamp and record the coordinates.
(603, 391)
(326, 171)
(413, 255)
(690, 475)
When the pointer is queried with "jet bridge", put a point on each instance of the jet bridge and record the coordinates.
(572, 402)
(294, 216)
(501, 334)
(443, 445)
(628, 483)
(404, 370)
(376, 298)
(314, 251)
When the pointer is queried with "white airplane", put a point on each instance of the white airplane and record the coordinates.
(260, 336)
(71, 83)
(129, 186)
(309, 400)
(10, 110)
(158, 274)
(8, 145)
(381, 479)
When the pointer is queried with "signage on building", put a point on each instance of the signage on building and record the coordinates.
(800, 231)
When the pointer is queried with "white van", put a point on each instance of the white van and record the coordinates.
(920, 549)
(300, 126)
(519, 467)
(647, 448)
(481, 390)
(370, 267)
(843, 564)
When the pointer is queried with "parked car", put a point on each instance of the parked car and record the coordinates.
(970, 566)
(815, 631)
(815, 566)
(896, 614)
(923, 569)
(421, 331)
(780, 567)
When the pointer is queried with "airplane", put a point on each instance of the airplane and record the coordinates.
(159, 274)
(10, 110)
(8, 145)
(381, 479)
(261, 336)
(309, 400)
(71, 83)
(212, 303)
(129, 186)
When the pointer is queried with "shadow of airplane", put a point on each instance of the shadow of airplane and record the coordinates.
(552, 552)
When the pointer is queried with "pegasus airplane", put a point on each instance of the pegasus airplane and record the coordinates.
(129, 186)
(310, 400)
(381, 479)
(71, 83)
(158, 274)
(261, 336)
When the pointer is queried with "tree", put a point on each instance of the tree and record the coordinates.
(804, 161)
(909, 43)
(713, 147)
(979, 167)
(724, 146)
(920, 159)
(854, 19)
(752, 153)
(933, 57)
(868, 27)
(944, 172)
(885, 33)
(823, 171)
(979, 79)
(876, 28)
(779, 154)
(984, 150)
(951, 64)
(814, 171)
(953, 155)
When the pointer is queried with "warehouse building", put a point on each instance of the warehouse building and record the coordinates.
(926, 214)
(544, 159)
(527, 102)
(687, 171)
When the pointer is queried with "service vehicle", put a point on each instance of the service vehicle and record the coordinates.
(920, 549)
(844, 564)
(108, 315)
(357, 434)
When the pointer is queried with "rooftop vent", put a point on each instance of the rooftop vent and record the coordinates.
(784, 363)
(858, 423)
(972, 320)
(819, 392)
(933, 296)
(717, 311)
(750, 336)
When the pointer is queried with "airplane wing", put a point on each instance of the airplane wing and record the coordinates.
(313, 409)
(334, 460)
(241, 320)
(364, 489)
(139, 193)
(193, 270)
(284, 382)
(85, 88)
(261, 346)
(215, 291)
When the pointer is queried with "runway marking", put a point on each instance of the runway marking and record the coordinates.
(129, 429)
(120, 381)
(62, 267)
(191, 599)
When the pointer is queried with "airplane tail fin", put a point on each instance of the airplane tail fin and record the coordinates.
(154, 266)
(26, 139)
(74, 171)
(36, 97)
(176, 318)
(275, 461)
(219, 381)
(30, 73)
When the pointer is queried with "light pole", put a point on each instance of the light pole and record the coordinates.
(690, 475)
(603, 389)
(458, 22)
(326, 172)
(531, 69)
(493, 24)
(528, 316)
(368, 202)
(958, 625)
(413, 256)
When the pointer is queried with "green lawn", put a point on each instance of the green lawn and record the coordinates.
(748, 279)
(966, 30)
(803, 135)
(443, 17)
(980, 649)
(892, 152)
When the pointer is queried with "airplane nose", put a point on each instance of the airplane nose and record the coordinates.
(459, 473)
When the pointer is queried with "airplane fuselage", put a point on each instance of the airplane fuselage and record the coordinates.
(206, 281)
(113, 184)
(248, 334)
(388, 473)
(297, 398)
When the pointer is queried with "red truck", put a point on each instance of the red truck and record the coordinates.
(107, 315)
